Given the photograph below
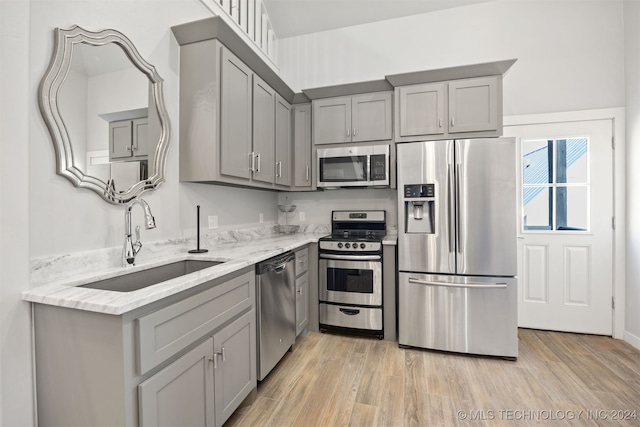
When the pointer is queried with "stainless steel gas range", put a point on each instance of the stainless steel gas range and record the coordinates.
(350, 273)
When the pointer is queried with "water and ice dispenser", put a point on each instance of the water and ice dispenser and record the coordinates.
(419, 208)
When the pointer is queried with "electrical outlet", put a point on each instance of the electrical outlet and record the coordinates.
(213, 222)
(303, 217)
(261, 217)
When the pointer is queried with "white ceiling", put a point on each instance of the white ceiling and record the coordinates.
(296, 17)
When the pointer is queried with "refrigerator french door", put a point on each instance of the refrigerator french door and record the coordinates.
(457, 246)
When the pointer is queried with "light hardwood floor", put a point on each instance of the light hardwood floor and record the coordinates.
(339, 380)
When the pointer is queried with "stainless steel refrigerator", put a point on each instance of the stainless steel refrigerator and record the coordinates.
(457, 288)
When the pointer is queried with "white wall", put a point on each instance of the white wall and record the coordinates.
(570, 53)
(16, 407)
(632, 81)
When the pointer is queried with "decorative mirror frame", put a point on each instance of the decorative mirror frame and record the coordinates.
(50, 87)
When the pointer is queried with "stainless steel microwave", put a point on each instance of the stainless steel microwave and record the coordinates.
(355, 166)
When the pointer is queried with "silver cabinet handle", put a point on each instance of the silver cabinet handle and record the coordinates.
(469, 285)
(308, 171)
(258, 162)
(348, 132)
(128, 148)
(279, 169)
(440, 122)
(252, 161)
(224, 355)
(354, 131)
(453, 121)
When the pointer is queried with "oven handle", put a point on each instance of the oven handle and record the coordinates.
(352, 257)
(471, 285)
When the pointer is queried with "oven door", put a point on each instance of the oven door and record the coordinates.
(350, 279)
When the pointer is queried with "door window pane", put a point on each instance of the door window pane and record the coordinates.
(572, 208)
(555, 184)
(571, 160)
(537, 161)
(537, 209)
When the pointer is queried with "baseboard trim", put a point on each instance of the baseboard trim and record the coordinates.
(632, 339)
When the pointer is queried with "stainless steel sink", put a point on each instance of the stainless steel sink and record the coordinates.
(152, 276)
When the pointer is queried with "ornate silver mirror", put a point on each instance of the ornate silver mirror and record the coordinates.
(104, 107)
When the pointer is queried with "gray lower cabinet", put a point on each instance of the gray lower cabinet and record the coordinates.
(455, 109)
(189, 359)
(206, 385)
(303, 176)
(302, 289)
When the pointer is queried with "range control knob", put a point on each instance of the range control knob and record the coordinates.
(362, 245)
(347, 245)
(355, 245)
(340, 245)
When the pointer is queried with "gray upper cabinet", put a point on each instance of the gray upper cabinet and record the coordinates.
(235, 116)
(283, 149)
(302, 148)
(128, 139)
(352, 118)
(232, 123)
(264, 103)
(473, 105)
(455, 109)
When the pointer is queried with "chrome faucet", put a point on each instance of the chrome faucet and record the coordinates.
(131, 249)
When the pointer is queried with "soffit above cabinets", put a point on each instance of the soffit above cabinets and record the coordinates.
(416, 77)
(451, 73)
(216, 28)
(348, 89)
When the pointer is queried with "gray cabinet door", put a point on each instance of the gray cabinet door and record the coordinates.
(235, 365)
(182, 393)
(473, 105)
(264, 102)
(420, 110)
(371, 117)
(283, 142)
(302, 146)
(120, 139)
(302, 303)
(235, 116)
(332, 120)
(139, 143)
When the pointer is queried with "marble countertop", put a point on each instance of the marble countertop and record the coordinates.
(236, 256)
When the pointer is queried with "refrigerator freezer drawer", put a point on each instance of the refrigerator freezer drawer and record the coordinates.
(476, 315)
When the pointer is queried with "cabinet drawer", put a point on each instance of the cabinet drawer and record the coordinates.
(165, 332)
(302, 261)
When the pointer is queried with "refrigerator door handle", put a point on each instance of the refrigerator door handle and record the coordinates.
(471, 285)
(460, 210)
(450, 209)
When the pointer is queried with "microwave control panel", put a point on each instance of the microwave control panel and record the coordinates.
(378, 167)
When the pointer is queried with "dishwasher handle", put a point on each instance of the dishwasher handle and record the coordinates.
(277, 264)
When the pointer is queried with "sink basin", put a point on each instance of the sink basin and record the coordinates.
(152, 276)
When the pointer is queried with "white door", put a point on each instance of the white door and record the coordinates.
(565, 250)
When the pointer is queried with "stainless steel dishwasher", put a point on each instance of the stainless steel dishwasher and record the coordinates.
(275, 281)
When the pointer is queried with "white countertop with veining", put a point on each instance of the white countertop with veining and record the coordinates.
(236, 255)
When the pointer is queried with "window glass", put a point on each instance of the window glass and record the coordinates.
(536, 165)
(555, 184)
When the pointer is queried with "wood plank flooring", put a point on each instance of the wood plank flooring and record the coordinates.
(559, 379)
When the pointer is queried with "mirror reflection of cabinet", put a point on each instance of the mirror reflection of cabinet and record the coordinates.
(128, 139)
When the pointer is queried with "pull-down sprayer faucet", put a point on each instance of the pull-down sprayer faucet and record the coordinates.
(131, 249)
